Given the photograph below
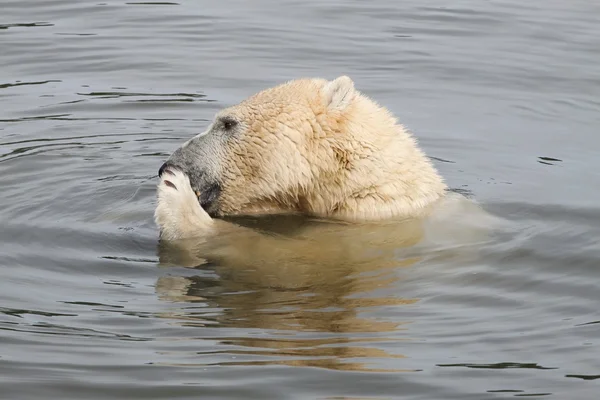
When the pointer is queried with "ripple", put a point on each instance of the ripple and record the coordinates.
(584, 377)
(19, 313)
(9, 85)
(112, 95)
(69, 331)
(504, 365)
(26, 25)
(164, 3)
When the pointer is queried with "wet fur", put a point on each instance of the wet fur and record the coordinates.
(311, 146)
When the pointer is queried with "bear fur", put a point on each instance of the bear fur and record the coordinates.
(308, 146)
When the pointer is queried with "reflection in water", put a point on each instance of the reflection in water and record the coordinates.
(315, 277)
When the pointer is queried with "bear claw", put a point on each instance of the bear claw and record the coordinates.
(169, 171)
(169, 183)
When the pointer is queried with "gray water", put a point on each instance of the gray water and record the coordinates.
(504, 95)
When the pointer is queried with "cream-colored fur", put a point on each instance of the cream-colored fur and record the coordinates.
(311, 146)
(324, 149)
(178, 213)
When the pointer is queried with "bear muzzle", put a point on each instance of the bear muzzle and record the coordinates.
(208, 197)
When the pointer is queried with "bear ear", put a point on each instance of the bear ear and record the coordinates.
(338, 93)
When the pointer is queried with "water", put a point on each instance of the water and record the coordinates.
(504, 95)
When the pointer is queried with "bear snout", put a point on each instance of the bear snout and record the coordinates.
(208, 195)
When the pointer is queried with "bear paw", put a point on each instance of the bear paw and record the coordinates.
(178, 213)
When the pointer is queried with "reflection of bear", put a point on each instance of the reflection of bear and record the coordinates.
(311, 146)
(328, 280)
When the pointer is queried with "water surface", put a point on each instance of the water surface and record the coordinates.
(503, 95)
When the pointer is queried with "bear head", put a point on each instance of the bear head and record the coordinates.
(312, 146)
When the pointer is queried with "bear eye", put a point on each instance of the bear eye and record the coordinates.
(228, 123)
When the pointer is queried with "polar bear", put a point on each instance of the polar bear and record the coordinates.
(309, 146)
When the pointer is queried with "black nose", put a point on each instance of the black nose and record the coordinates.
(162, 169)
